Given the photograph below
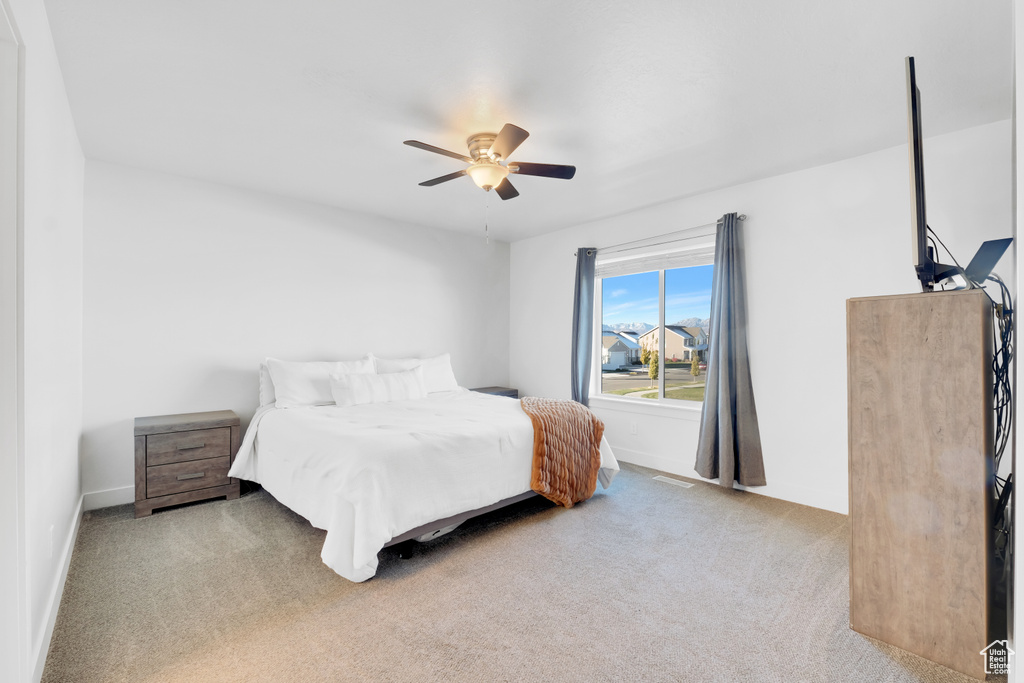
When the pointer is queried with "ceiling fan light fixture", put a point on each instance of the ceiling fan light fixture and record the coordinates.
(487, 175)
(486, 152)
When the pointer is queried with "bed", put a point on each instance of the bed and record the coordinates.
(375, 473)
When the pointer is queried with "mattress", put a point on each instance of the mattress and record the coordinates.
(369, 473)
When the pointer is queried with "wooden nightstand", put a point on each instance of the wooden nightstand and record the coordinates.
(184, 458)
(498, 391)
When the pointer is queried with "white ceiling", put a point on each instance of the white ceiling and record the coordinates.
(650, 100)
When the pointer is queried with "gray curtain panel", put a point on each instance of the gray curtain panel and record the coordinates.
(583, 324)
(730, 444)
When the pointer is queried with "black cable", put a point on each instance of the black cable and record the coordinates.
(1002, 357)
(1003, 501)
(955, 262)
(1002, 395)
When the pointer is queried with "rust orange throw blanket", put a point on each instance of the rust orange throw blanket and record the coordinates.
(566, 449)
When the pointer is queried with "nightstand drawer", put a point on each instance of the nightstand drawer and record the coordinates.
(198, 444)
(164, 480)
(498, 391)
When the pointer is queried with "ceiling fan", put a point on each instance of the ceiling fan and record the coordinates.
(486, 152)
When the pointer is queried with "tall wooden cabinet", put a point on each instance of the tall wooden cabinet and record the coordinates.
(921, 479)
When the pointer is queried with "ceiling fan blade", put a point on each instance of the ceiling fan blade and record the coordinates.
(544, 170)
(508, 139)
(505, 190)
(437, 150)
(443, 179)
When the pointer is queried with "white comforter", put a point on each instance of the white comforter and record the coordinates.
(368, 473)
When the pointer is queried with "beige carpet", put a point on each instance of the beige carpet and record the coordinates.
(645, 582)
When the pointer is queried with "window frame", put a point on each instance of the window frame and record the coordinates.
(694, 248)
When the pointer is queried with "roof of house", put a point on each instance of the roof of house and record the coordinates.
(630, 342)
(694, 331)
(609, 338)
(681, 331)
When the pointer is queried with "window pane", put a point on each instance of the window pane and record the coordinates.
(629, 309)
(687, 310)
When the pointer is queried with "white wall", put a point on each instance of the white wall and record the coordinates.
(50, 331)
(189, 285)
(13, 647)
(814, 239)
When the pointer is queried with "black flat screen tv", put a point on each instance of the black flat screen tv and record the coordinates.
(929, 271)
(918, 219)
(924, 256)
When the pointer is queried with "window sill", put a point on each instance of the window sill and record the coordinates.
(686, 410)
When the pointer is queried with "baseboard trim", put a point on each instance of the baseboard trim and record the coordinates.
(95, 500)
(655, 462)
(834, 501)
(43, 646)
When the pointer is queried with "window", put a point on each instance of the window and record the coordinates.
(654, 318)
(628, 304)
(687, 314)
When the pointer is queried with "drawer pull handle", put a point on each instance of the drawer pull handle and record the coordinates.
(197, 475)
(191, 448)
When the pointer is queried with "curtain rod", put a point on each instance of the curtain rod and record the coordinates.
(624, 246)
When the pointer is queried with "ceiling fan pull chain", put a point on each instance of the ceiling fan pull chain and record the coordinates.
(487, 211)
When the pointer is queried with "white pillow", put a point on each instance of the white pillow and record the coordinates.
(267, 396)
(386, 366)
(438, 374)
(352, 389)
(309, 384)
(437, 371)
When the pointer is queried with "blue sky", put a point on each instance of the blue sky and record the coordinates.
(634, 298)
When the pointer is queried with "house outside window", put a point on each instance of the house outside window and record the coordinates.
(663, 301)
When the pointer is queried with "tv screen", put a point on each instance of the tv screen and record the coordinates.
(930, 272)
(918, 219)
